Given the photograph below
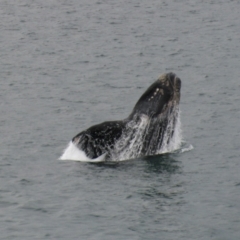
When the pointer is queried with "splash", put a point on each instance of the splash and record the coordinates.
(172, 143)
(145, 136)
(187, 148)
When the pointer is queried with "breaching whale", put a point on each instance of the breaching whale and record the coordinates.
(153, 127)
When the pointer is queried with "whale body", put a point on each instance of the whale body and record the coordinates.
(153, 127)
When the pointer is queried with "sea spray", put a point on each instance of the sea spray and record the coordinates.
(149, 136)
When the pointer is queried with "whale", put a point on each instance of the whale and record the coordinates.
(153, 127)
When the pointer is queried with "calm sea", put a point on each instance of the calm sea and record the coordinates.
(67, 65)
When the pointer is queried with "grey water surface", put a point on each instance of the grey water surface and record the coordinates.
(67, 65)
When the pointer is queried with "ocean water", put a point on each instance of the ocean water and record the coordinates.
(67, 65)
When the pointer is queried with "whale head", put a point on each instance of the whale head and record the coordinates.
(155, 119)
(162, 96)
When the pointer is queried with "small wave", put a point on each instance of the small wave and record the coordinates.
(186, 148)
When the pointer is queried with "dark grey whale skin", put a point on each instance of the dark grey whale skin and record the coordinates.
(160, 97)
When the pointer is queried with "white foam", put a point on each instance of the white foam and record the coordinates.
(187, 149)
(176, 140)
(72, 152)
(131, 143)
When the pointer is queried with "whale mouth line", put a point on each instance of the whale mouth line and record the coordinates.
(153, 127)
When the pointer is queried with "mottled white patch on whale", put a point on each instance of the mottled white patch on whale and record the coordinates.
(72, 152)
